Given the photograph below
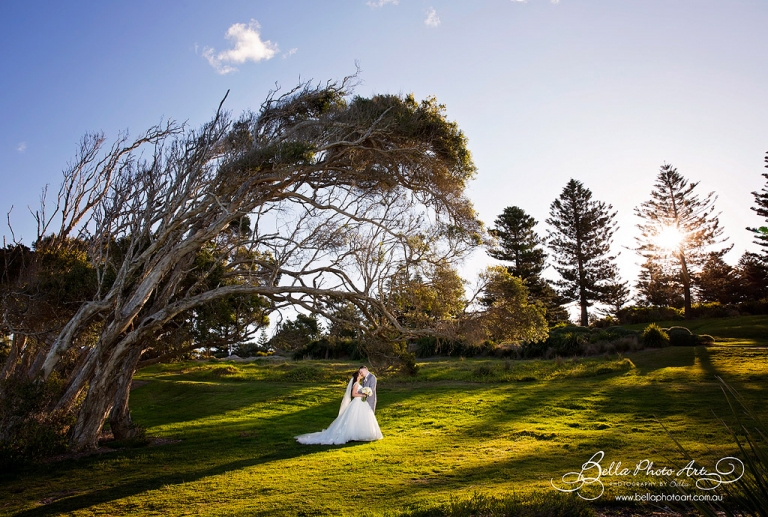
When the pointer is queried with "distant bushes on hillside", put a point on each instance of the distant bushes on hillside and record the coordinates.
(639, 314)
(568, 341)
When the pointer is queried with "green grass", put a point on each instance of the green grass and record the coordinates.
(459, 428)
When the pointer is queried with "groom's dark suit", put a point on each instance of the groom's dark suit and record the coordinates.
(370, 382)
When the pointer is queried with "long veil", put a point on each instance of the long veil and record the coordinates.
(347, 398)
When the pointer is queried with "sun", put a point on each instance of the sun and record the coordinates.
(669, 237)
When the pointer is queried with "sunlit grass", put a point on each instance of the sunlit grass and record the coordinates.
(458, 428)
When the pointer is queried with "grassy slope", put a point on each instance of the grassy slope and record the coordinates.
(459, 427)
(742, 330)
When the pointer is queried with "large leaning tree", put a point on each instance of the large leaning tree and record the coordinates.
(679, 231)
(341, 192)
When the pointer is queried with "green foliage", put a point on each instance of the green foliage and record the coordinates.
(717, 281)
(420, 123)
(539, 504)
(659, 285)
(752, 274)
(330, 348)
(519, 244)
(433, 346)
(31, 432)
(570, 340)
(655, 337)
(637, 314)
(509, 316)
(422, 300)
(5, 348)
(296, 334)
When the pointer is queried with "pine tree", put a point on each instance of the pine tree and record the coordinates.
(761, 200)
(717, 281)
(616, 295)
(752, 274)
(657, 286)
(519, 244)
(521, 247)
(679, 229)
(581, 243)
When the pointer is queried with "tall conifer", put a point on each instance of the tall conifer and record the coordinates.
(581, 246)
(678, 229)
(522, 248)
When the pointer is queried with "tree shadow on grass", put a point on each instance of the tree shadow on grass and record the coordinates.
(650, 360)
(279, 450)
(79, 502)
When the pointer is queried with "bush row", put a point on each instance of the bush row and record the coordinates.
(636, 314)
(568, 341)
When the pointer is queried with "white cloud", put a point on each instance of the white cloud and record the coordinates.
(290, 52)
(248, 46)
(21, 147)
(381, 3)
(432, 19)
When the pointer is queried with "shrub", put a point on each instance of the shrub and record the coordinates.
(570, 344)
(30, 431)
(635, 314)
(681, 336)
(713, 310)
(432, 346)
(408, 363)
(330, 348)
(754, 307)
(655, 337)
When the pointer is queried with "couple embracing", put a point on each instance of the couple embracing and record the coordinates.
(356, 421)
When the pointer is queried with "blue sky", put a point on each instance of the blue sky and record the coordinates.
(604, 91)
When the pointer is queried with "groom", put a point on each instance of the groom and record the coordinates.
(369, 380)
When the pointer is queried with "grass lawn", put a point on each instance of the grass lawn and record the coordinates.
(458, 428)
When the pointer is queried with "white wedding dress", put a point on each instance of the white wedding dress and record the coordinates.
(355, 423)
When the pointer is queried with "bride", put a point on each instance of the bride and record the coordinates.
(356, 421)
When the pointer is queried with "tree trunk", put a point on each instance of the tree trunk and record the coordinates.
(686, 278)
(17, 345)
(98, 402)
(120, 420)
